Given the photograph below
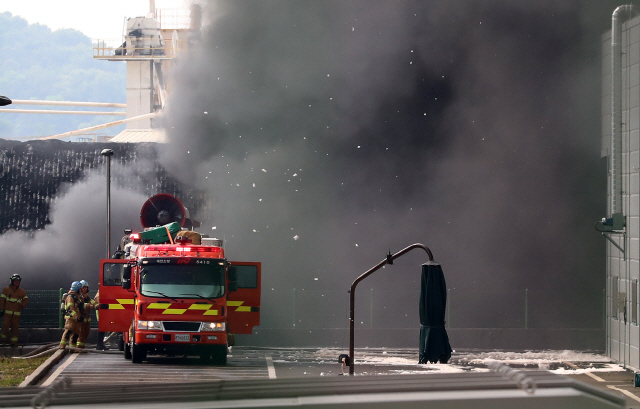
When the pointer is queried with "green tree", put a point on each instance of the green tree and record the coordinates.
(38, 63)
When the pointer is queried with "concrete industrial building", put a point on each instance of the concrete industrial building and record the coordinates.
(621, 147)
(151, 43)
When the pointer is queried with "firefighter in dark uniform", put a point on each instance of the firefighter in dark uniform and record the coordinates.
(73, 305)
(85, 316)
(12, 301)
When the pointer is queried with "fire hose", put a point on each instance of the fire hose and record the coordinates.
(54, 347)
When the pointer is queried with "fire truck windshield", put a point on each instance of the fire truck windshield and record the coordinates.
(176, 281)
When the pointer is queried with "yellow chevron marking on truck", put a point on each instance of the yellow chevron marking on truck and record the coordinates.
(200, 306)
(179, 311)
(121, 303)
(174, 311)
(116, 307)
(158, 306)
(241, 308)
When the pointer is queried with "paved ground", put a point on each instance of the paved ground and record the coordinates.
(262, 363)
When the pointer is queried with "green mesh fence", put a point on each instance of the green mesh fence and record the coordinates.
(43, 310)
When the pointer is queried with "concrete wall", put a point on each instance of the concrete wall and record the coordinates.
(139, 92)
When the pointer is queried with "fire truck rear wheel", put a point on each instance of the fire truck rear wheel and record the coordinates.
(120, 342)
(127, 351)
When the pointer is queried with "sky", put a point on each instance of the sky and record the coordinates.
(97, 20)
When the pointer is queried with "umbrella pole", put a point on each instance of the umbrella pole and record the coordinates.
(352, 294)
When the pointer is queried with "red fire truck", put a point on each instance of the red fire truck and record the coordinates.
(177, 294)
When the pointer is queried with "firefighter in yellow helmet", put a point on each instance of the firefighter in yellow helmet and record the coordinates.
(73, 305)
(84, 320)
(12, 301)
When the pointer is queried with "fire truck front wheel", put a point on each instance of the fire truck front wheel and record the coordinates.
(219, 355)
(138, 352)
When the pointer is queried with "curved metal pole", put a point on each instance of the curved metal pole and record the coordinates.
(352, 294)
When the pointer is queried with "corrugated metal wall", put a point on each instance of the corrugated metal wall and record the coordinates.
(31, 174)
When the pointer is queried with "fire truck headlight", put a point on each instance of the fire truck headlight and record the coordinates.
(213, 326)
(150, 325)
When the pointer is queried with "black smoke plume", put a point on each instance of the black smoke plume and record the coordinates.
(329, 132)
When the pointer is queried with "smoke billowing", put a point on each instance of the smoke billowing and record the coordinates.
(69, 248)
(329, 132)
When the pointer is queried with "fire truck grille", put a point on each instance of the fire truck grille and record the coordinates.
(181, 326)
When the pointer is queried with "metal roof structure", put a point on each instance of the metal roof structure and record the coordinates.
(141, 135)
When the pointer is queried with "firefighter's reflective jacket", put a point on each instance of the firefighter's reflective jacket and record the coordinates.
(72, 309)
(13, 300)
(88, 305)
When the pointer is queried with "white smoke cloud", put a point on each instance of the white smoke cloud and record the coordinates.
(71, 246)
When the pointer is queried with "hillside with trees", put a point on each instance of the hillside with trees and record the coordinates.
(41, 64)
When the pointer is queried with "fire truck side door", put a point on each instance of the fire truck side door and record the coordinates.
(243, 305)
(116, 304)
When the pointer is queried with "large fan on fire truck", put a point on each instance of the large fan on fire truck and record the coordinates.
(165, 208)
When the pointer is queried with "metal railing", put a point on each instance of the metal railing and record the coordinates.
(173, 19)
(117, 49)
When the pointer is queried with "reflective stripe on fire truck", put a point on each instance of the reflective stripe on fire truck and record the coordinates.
(241, 308)
(179, 311)
(165, 307)
(121, 303)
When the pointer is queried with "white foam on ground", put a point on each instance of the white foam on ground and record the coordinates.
(477, 361)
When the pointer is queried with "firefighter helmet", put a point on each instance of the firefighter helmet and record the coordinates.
(76, 286)
(84, 283)
(15, 277)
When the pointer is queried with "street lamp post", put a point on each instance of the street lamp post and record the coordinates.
(108, 153)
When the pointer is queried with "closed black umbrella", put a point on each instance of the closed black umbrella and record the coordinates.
(4, 101)
(434, 342)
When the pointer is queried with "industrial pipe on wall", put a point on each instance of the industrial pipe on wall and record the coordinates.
(616, 105)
